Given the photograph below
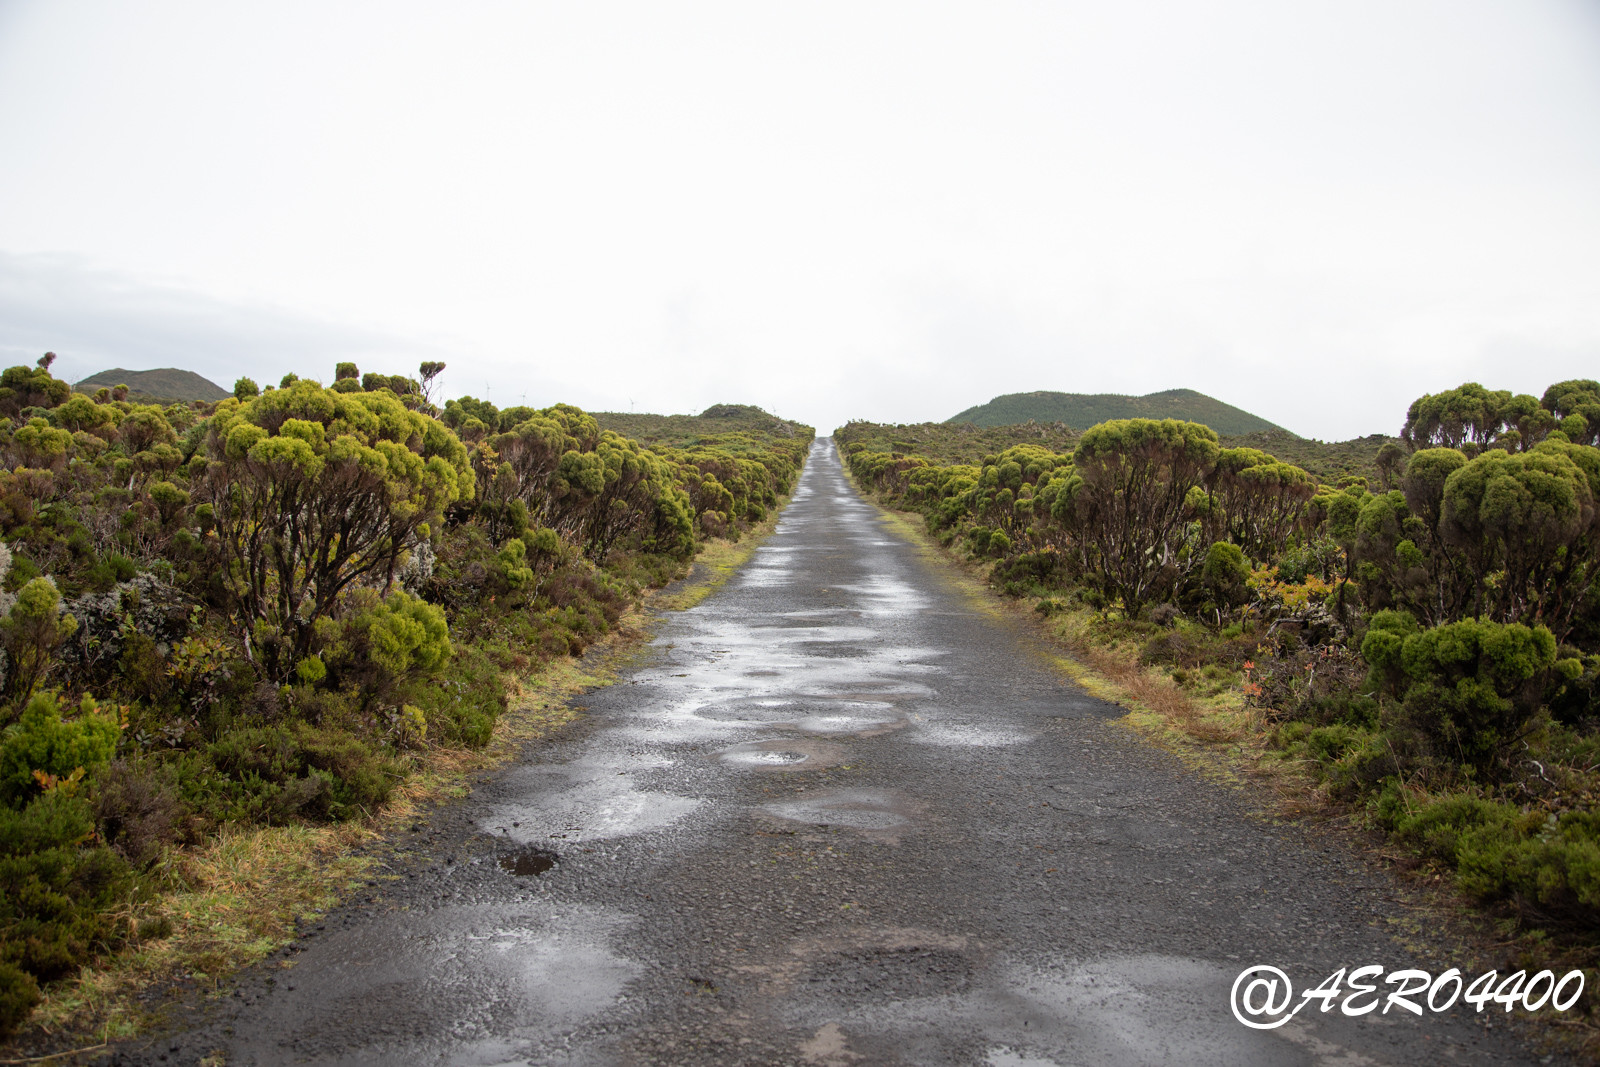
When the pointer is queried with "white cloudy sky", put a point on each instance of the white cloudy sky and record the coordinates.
(1315, 211)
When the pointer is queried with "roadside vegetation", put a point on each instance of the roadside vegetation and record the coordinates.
(952, 443)
(277, 610)
(1423, 644)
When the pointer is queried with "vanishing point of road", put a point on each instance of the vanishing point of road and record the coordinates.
(838, 814)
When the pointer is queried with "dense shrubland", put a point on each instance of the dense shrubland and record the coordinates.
(265, 610)
(957, 443)
(1428, 641)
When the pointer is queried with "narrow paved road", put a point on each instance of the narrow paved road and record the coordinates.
(841, 816)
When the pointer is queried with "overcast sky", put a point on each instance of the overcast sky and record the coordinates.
(1315, 211)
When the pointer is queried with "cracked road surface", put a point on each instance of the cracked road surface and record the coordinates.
(840, 814)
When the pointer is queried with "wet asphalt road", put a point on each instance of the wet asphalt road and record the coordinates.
(840, 815)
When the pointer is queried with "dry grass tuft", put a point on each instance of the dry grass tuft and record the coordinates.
(1148, 689)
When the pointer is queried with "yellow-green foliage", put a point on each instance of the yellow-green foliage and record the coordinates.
(30, 634)
(406, 635)
(1470, 687)
(514, 559)
(1504, 852)
(311, 490)
(41, 747)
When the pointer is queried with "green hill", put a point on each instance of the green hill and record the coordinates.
(167, 384)
(680, 431)
(1083, 410)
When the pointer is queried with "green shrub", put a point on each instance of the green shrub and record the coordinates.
(55, 890)
(31, 633)
(273, 773)
(514, 564)
(311, 670)
(1224, 574)
(1344, 707)
(406, 634)
(1287, 735)
(1326, 744)
(1550, 863)
(1469, 687)
(1032, 572)
(334, 488)
(1574, 694)
(1381, 647)
(1371, 759)
(41, 742)
(463, 703)
(107, 572)
(18, 994)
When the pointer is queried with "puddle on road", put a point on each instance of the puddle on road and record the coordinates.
(827, 649)
(845, 723)
(780, 753)
(811, 713)
(884, 595)
(853, 809)
(762, 757)
(966, 735)
(1115, 1010)
(529, 863)
(582, 800)
(769, 759)
(756, 711)
(459, 985)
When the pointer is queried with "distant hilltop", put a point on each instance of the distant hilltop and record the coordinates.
(1083, 410)
(169, 384)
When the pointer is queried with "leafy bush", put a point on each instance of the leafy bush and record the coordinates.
(1327, 744)
(56, 891)
(1030, 573)
(287, 592)
(312, 490)
(1470, 688)
(40, 747)
(1226, 574)
(1407, 634)
(464, 702)
(30, 634)
(19, 992)
(272, 773)
(406, 635)
(1548, 862)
